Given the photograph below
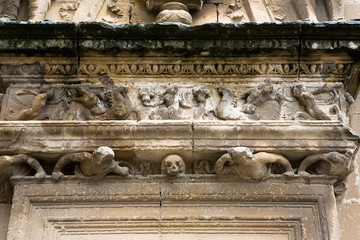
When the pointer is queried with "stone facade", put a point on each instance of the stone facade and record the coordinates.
(170, 131)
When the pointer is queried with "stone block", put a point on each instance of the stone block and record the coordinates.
(349, 215)
(172, 208)
(352, 9)
(207, 14)
(4, 219)
(139, 13)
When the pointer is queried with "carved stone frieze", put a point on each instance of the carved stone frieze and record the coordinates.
(200, 69)
(260, 101)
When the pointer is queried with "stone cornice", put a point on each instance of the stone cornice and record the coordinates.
(96, 36)
(198, 140)
(76, 45)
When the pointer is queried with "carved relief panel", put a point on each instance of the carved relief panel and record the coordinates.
(264, 101)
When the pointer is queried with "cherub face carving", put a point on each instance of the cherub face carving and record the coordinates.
(173, 165)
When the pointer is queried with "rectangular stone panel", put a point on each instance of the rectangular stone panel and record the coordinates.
(173, 208)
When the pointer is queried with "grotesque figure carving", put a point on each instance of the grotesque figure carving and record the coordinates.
(201, 94)
(13, 165)
(329, 164)
(263, 93)
(242, 162)
(37, 106)
(89, 100)
(225, 110)
(173, 165)
(91, 166)
(307, 100)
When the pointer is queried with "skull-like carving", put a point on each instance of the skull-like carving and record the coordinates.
(173, 165)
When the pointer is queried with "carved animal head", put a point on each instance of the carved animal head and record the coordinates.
(240, 154)
(173, 165)
(103, 154)
(201, 94)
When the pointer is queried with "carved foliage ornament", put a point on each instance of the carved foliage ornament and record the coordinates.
(180, 69)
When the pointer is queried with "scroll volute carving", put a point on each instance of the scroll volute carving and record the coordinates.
(173, 11)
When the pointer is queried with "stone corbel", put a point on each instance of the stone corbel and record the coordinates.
(174, 11)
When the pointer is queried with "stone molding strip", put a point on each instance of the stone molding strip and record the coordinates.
(195, 140)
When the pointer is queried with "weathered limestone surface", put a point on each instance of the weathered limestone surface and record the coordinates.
(349, 204)
(247, 117)
(4, 219)
(173, 208)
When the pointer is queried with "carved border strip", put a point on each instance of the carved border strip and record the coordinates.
(187, 69)
(49, 136)
(68, 227)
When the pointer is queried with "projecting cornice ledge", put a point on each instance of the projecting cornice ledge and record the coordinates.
(68, 38)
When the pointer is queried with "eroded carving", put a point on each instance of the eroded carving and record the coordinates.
(91, 166)
(226, 109)
(117, 13)
(329, 164)
(203, 167)
(149, 98)
(264, 92)
(145, 168)
(38, 9)
(37, 106)
(67, 10)
(307, 100)
(89, 100)
(173, 165)
(201, 94)
(242, 162)
(14, 166)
